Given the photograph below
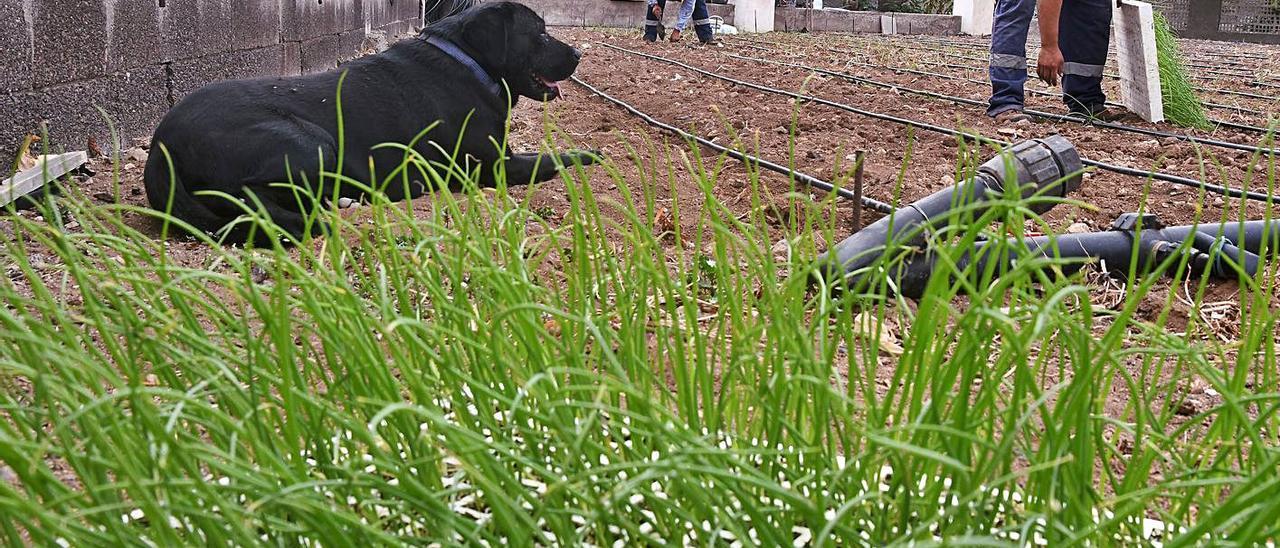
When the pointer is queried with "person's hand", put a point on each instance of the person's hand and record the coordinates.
(657, 11)
(1049, 66)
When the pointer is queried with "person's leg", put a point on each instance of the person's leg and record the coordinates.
(686, 13)
(1008, 68)
(1085, 30)
(702, 21)
(652, 21)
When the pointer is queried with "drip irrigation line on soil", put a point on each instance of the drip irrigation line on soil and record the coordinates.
(1219, 64)
(1202, 75)
(1029, 69)
(1202, 47)
(1231, 69)
(1156, 175)
(742, 156)
(1036, 113)
(1216, 106)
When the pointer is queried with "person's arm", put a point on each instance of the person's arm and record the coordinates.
(1049, 66)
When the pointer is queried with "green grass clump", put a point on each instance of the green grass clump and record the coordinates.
(478, 375)
(1181, 105)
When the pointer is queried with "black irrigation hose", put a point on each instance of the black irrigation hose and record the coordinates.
(744, 157)
(747, 43)
(1036, 113)
(1208, 187)
(1029, 70)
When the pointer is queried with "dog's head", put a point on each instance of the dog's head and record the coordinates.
(511, 42)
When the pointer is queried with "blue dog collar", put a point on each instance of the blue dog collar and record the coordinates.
(460, 56)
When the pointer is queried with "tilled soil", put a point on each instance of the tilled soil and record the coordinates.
(902, 164)
(823, 132)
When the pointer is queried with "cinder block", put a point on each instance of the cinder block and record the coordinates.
(71, 41)
(350, 44)
(410, 10)
(191, 29)
(791, 19)
(319, 54)
(134, 37)
(135, 101)
(11, 132)
(306, 19)
(16, 53)
(921, 23)
(255, 23)
(866, 21)
(830, 21)
(191, 74)
(381, 12)
(349, 14)
(291, 59)
(724, 11)
(398, 30)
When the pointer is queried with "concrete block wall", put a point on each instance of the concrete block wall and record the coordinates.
(608, 13)
(830, 20)
(135, 58)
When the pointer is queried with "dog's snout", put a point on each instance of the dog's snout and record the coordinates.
(577, 54)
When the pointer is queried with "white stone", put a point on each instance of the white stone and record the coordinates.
(975, 16)
(888, 25)
(753, 15)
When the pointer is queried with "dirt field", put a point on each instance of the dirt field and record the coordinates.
(713, 109)
(824, 136)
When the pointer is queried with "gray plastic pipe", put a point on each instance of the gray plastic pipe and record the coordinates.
(1223, 251)
(1048, 167)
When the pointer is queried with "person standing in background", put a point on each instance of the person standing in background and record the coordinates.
(682, 19)
(701, 20)
(1078, 58)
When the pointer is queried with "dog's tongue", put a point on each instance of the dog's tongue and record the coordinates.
(553, 86)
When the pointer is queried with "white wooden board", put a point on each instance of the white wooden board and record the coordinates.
(753, 15)
(1134, 34)
(888, 25)
(47, 168)
(975, 16)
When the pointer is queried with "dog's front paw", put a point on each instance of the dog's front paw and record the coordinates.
(582, 157)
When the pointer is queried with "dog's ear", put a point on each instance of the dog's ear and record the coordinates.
(488, 31)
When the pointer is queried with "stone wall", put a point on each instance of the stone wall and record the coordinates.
(608, 13)
(834, 20)
(59, 59)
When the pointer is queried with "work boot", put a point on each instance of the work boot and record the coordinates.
(712, 42)
(675, 35)
(1012, 117)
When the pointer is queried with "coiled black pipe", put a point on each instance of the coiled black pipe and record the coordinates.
(1175, 179)
(744, 157)
(1033, 112)
(1040, 167)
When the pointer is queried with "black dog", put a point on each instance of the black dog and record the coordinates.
(237, 137)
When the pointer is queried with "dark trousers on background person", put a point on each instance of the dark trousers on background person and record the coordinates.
(1084, 32)
(701, 21)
